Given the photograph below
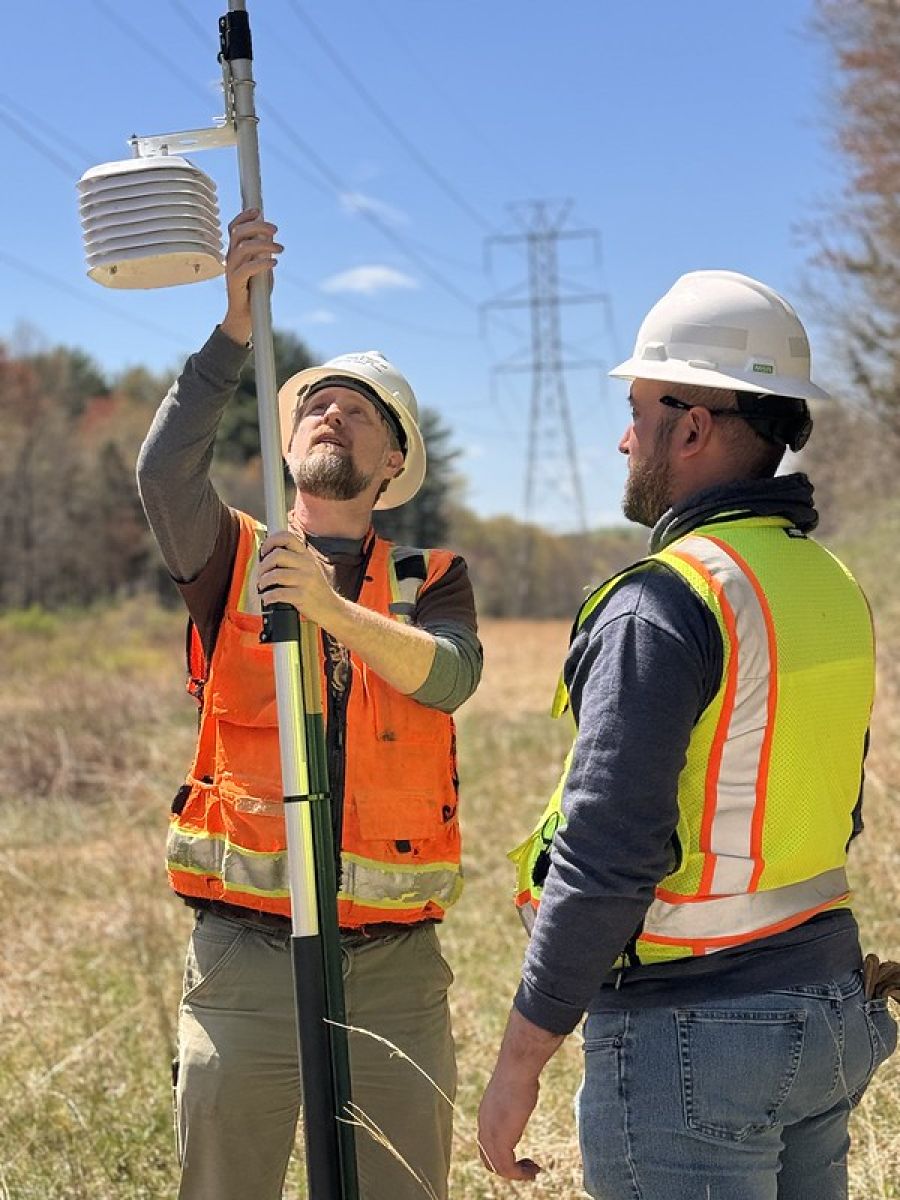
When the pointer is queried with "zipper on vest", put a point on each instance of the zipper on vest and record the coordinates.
(335, 748)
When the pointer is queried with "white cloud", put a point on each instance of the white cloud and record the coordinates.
(319, 316)
(367, 280)
(358, 202)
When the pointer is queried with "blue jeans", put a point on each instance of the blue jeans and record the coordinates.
(734, 1099)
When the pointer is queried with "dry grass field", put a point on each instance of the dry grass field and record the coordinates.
(95, 732)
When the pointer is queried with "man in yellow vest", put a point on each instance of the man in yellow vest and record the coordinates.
(691, 866)
(399, 652)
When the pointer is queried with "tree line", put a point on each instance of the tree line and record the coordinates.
(74, 533)
(71, 524)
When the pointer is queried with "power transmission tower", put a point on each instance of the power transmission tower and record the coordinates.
(549, 415)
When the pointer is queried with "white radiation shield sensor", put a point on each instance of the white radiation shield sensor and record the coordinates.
(150, 223)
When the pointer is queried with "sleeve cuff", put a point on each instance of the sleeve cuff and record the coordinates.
(221, 358)
(556, 1016)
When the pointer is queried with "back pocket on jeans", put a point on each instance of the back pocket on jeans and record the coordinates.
(737, 1069)
(883, 1037)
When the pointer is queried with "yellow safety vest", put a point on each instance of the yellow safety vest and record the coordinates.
(773, 770)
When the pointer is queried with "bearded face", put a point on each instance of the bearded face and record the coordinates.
(648, 488)
(329, 473)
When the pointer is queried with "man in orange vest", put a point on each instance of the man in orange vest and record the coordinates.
(399, 653)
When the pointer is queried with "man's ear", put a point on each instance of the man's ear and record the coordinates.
(396, 460)
(698, 428)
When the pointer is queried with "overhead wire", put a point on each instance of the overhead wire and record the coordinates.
(327, 172)
(367, 214)
(350, 77)
(57, 137)
(361, 310)
(66, 167)
(32, 272)
(71, 173)
(471, 127)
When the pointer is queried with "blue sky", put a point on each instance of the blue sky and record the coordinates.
(688, 135)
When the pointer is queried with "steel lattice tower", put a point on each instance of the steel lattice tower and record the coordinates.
(549, 414)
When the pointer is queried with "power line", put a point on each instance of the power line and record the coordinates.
(338, 185)
(470, 127)
(192, 23)
(22, 131)
(412, 150)
(366, 213)
(54, 135)
(197, 29)
(149, 47)
(33, 272)
(308, 286)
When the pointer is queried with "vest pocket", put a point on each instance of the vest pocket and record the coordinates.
(404, 797)
(245, 694)
(400, 781)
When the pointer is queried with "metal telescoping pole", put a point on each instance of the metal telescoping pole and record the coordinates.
(315, 946)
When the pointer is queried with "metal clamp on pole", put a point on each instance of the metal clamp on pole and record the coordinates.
(234, 36)
(281, 623)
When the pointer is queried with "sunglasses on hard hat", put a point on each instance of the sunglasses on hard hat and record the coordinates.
(782, 420)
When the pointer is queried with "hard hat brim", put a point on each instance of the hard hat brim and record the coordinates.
(673, 370)
(405, 485)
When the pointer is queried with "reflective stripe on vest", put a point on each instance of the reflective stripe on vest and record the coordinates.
(366, 881)
(252, 871)
(710, 923)
(407, 571)
(372, 883)
(737, 774)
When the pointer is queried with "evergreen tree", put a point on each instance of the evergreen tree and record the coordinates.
(238, 437)
(424, 520)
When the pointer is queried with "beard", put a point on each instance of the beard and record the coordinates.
(648, 489)
(329, 474)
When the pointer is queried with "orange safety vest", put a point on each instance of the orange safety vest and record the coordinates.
(400, 844)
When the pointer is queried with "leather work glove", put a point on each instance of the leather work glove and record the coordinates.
(880, 978)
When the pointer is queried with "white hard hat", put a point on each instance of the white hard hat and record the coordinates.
(720, 329)
(391, 390)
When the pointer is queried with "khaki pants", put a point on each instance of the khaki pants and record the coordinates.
(238, 1083)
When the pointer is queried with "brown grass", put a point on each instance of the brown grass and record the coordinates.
(94, 734)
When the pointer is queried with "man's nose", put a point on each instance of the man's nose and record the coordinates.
(624, 440)
(333, 413)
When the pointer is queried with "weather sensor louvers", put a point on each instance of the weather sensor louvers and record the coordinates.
(150, 222)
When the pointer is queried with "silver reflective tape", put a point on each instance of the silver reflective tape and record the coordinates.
(364, 881)
(245, 870)
(710, 335)
(737, 916)
(379, 885)
(738, 785)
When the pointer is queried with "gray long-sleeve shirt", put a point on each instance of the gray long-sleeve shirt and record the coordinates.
(621, 796)
(196, 532)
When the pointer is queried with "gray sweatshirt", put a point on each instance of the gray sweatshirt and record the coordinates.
(197, 533)
(621, 801)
